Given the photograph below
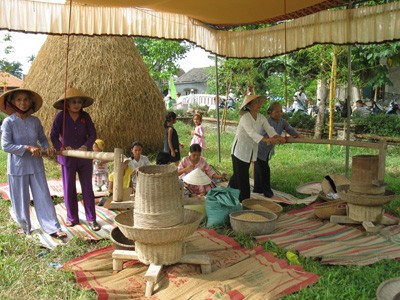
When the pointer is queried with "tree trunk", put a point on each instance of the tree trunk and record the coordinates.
(322, 94)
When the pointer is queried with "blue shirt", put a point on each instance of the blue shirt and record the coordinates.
(266, 150)
(16, 135)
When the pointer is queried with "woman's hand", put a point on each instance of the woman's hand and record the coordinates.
(35, 151)
(51, 151)
(189, 169)
(82, 148)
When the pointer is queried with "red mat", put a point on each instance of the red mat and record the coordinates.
(237, 273)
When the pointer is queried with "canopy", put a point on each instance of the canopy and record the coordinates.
(200, 22)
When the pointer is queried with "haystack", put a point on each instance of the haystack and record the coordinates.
(128, 105)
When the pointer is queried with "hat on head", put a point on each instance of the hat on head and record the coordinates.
(197, 177)
(250, 98)
(100, 144)
(73, 93)
(5, 100)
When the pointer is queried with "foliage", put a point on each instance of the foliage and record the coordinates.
(14, 68)
(301, 120)
(379, 124)
(160, 57)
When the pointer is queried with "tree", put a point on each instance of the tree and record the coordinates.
(160, 57)
(14, 68)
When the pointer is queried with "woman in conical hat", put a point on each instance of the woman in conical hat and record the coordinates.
(24, 139)
(245, 144)
(73, 129)
(198, 183)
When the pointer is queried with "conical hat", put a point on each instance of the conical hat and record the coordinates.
(338, 179)
(197, 177)
(250, 98)
(9, 110)
(73, 93)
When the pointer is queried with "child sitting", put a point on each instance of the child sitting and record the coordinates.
(100, 169)
(137, 160)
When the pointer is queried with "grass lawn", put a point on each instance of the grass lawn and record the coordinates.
(25, 272)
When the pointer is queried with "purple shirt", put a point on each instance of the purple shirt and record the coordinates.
(76, 133)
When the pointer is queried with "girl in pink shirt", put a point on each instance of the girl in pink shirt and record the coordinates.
(198, 132)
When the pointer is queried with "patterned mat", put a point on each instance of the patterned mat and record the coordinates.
(55, 187)
(237, 273)
(105, 218)
(333, 243)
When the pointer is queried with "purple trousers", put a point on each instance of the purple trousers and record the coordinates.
(85, 171)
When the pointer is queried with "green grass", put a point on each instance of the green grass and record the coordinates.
(25, 274)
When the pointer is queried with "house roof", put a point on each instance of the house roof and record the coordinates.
(194, 75)
(9, 80)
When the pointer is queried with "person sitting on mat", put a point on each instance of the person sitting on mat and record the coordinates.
(24, 139)
(196, 161)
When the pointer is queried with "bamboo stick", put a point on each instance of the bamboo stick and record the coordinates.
(334, 142)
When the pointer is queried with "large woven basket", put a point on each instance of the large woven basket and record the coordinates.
(158, 197)
(328, 209)
(253, 227)
(164, 254)
(365, 213)
(156, 236)
(262, 205)
(367, 200)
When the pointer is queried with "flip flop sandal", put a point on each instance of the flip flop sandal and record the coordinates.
(59, 235)
(94, 226)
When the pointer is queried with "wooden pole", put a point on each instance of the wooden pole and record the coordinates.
(118, 175)
(334, 142)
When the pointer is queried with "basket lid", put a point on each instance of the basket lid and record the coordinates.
(197, 177)
(337, 180)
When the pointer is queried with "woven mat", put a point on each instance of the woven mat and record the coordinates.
(104, 217)
(55, 187)
(279, 197)
(333, 243)
(237, 273)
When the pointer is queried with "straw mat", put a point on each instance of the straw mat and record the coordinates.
(334, 244)
(238, 273)
(104, 217)
(55, 187)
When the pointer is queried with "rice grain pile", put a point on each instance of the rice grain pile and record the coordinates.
(252, 217)
(258, 207)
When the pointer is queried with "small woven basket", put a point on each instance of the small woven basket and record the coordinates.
(262, 205)
(328, 209)
(389, 289)
(164, 254)
(365, 213)
(156, 236)
(158, 197)
(121, 242)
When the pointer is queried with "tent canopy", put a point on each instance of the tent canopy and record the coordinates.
(199, 21)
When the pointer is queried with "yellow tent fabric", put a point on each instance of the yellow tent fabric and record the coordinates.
(360, 25)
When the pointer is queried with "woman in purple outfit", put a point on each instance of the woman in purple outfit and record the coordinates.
(73, 129)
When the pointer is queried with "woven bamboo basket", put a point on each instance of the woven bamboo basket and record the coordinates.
(389, 290)
(262, 205)
(365, 213)
(120, 241)
(164, 254)
(158, 197)
(328, 209)
(367, 188)
(367, 200)
(253, 227)
(156, 236)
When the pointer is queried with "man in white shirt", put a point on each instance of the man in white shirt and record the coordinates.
(299, 100)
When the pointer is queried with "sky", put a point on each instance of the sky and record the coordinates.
(26, 45)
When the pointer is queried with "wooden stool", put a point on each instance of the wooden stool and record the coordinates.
(154, 270)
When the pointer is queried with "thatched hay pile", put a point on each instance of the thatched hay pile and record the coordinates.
(128, 105)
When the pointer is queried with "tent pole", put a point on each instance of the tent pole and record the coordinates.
(348, 100)
(217, 95)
